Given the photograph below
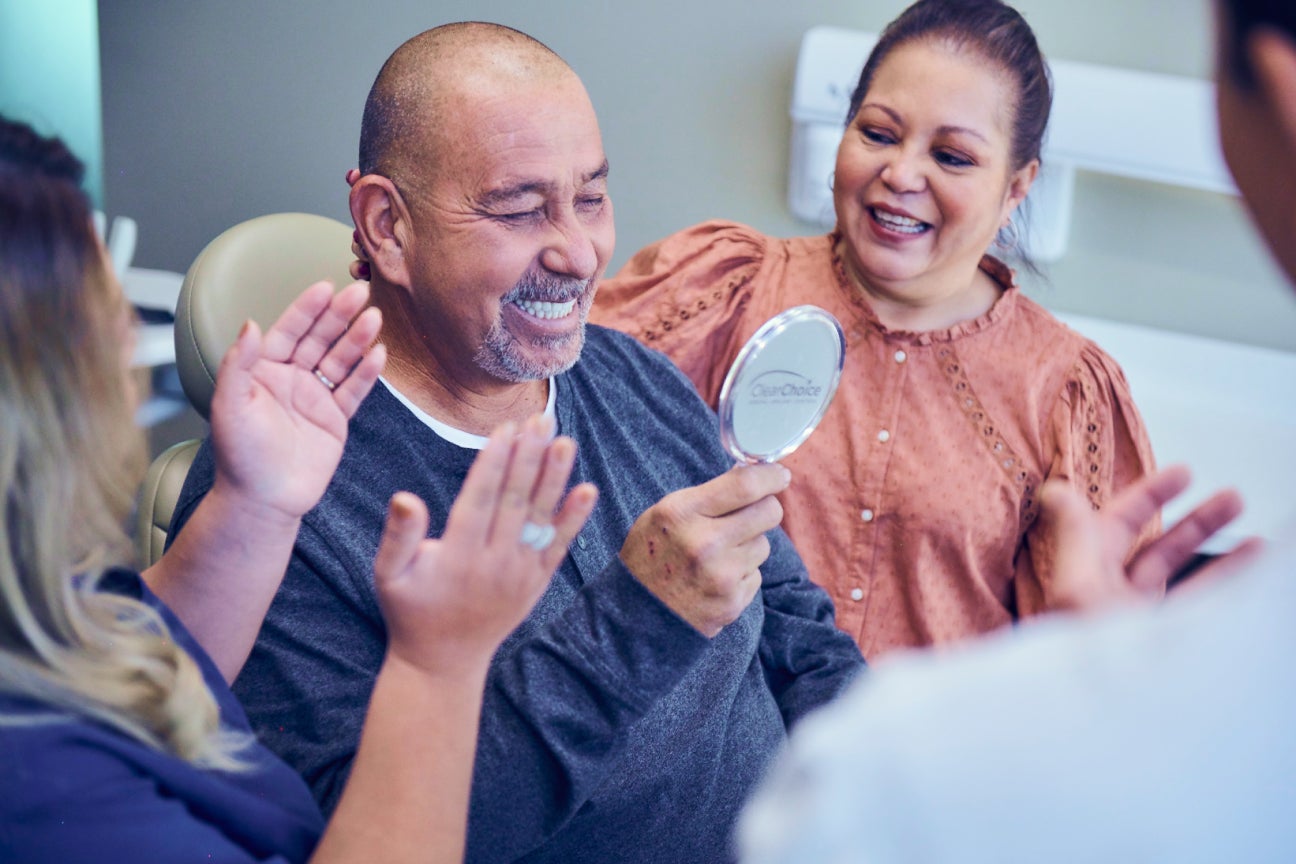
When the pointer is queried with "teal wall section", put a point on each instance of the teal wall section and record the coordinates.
(49, 75)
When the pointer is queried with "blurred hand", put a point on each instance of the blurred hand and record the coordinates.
(359, 268)
(277, 428)
(1091, 570)
(449, 602)
(700, 549)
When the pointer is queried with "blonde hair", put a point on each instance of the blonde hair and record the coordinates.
(71, 457)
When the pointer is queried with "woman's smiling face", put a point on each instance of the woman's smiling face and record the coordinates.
(924, 176)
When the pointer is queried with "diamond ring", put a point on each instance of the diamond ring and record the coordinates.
(538, 537)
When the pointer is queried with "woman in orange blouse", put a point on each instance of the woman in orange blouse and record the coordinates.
(915, 502)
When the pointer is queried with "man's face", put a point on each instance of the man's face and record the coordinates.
(512, 230)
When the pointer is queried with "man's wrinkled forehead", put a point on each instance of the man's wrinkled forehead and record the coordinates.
(509, 140)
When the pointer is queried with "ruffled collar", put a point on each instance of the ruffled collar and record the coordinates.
(997, 270)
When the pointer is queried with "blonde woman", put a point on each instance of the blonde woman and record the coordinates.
(119, 737)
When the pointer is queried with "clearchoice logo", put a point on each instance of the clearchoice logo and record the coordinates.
(780, 386)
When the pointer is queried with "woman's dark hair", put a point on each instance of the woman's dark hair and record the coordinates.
(1238, 19)
(998, 33)
(23, 149)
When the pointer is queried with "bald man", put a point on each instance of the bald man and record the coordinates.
(629, 715)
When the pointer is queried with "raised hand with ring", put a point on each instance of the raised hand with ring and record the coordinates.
(475, 583)
(278, 436)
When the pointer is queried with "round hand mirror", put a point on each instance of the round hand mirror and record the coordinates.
(781, 383)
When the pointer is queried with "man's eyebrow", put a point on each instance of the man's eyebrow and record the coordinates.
(509, 193)
(512, 192)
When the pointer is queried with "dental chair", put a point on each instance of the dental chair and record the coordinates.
(252, 270)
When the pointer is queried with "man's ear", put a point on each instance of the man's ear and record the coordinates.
(1273, 59)
(382, 223)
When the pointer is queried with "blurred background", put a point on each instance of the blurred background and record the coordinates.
(195, 116)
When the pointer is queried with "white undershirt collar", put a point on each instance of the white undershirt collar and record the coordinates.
(459, 437)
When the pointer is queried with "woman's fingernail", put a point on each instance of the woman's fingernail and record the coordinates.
(400, 508)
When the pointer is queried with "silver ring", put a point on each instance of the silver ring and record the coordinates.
(324, 379)
(538, 537)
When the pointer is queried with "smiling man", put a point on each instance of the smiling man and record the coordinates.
(630, 714)
(499, 181)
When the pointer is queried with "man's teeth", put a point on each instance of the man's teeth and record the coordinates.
(895, 222)
(541, 309)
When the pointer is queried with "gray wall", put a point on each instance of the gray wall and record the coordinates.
(216, 112)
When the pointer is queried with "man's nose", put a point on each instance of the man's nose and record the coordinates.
(569, 249)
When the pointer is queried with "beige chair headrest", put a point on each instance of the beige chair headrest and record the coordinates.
(253, 270)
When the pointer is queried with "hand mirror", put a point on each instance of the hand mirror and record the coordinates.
(781, 383)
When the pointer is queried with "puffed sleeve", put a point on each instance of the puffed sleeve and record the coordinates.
(684, 296)
(1101, 446)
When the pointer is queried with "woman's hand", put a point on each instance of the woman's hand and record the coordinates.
(449, 602)
(1095, 563)
(283, 399)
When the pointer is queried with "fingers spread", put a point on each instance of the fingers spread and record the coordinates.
(554, 471)
(341, 358)
(308, 328)
(1138, 503)
(1173, 549)
(1223, 566)
(473, 511)
(356, 386)
(295, 321)
(520, 480)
